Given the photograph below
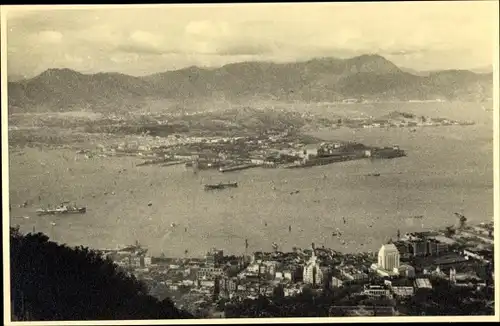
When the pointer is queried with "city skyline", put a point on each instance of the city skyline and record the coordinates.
(101, 40)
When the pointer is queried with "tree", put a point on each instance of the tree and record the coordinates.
(56, 282)
(279, 292)
(450, 231)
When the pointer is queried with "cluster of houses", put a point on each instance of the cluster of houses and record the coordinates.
(400, 270)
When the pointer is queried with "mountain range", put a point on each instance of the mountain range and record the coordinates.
(370, 77)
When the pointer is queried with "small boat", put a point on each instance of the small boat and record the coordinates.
(221, 186)
(373, 174)
(62, 209)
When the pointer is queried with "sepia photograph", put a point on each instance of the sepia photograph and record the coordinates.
(270, 162)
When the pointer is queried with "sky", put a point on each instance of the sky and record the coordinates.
(148, 39)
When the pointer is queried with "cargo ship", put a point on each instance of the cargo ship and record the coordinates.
(236, 167)
(62, 209)
(221, 186)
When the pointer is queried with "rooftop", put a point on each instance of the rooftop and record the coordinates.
(444, 239)
(423, 283)
(388, 247)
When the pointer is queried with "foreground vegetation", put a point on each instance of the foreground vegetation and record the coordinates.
(55, 282)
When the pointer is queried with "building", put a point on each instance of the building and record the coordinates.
(253, 268)
(135, 261)
(214, 257)
(446, 240)
(485, 229)
(483, 255)
(388, 258)
(436, 248)
(203, 283)
(228, 285)
(336, 283)
(423, 283)
(257, 161)
(407, 271)
(403, 248)
(271, 267)
(403, 291)
(312, 271)
(287, 275)
(209, 273)
(376, 291)
(352, 274)
(418, 247)
(309, 152)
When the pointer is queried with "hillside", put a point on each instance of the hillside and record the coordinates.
(76, 284)
(325, 79)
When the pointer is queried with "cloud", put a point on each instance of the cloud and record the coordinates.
(49, 37)
(245, 49)
(73, 59)
(146, 38)
(418, 34)
(142, 42)
(208, 28)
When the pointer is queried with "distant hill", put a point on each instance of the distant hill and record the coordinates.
(323, 79)
(483, 70)
(15, 78)
(415, 72)
(478, 70)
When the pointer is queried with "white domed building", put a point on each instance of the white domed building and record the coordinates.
(388, 260)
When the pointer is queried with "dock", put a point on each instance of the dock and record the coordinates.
(236, 167)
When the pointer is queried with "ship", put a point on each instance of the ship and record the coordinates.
(388, 153)
(62, 209)
(136, 248)
(221, 186)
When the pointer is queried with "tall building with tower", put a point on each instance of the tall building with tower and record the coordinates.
(312, 271)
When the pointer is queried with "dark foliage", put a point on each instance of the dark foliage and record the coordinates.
(445, 299)
(55, 282)
(442, 300)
